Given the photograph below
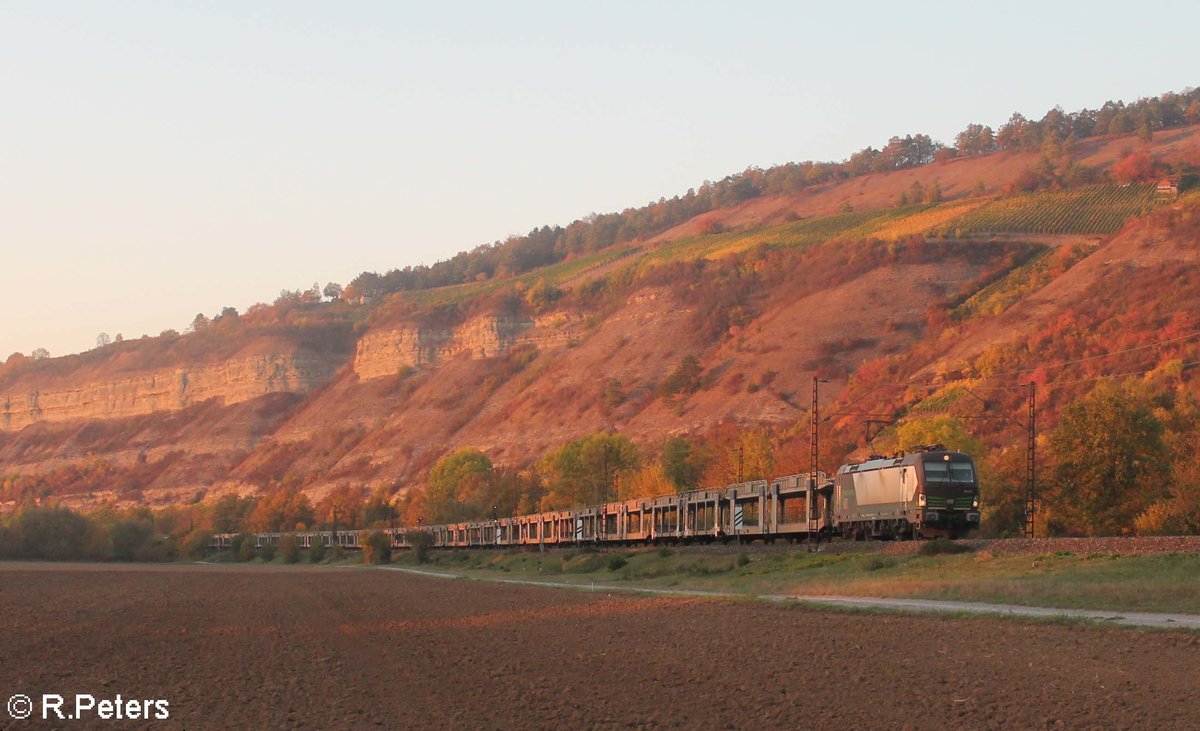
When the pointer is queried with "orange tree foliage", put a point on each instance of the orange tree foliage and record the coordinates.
(343, 506)
(650, 481)
(284, 508)
(1136, 167)
(748, 454)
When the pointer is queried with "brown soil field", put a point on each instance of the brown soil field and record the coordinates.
(303, 647)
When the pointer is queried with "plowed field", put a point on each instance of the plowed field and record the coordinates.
(270, 647)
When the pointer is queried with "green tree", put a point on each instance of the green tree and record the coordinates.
(976, 139)
(515, 493)
(379, 509)
(613, 395)
(229, 513)
(682, 464)
(54, 534)
(1178, 512)
(289, 548)
(128, 538)
(195, 546)
(542, 295)
(316, 554)
(942, 429)
(1110, 462)
(1193, 112)
(458, 483)
(377, 547)
(576, 473)
(684, 379)
(243, 547)
(421, 543)
(1145, 131)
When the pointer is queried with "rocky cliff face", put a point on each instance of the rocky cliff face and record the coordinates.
(390, 351)
(170, 389)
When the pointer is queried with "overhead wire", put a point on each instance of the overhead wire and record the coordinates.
(1076, 361)
(1060, 364)
(1052, 384)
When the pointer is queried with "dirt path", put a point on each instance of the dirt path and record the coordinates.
(267, 647)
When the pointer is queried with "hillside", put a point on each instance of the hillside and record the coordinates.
(854, 282)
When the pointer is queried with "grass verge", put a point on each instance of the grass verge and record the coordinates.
(1163, 583)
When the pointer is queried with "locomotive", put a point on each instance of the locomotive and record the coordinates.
(927, 493)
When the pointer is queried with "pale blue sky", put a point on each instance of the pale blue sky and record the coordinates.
(163, 159)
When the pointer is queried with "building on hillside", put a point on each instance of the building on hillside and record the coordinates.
(1167, 190)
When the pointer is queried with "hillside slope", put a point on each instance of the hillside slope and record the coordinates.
(764, 296)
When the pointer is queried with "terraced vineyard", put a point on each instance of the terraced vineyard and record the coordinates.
(1033, 274)
(555, 274)
(1091, 209)
(811, 231)
(941, 400)
(994, 298)
(927, 219)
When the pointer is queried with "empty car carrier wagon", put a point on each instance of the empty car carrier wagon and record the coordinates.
(930, 492)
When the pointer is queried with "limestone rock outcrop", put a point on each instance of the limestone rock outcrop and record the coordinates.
(168, 389)
(387, 352)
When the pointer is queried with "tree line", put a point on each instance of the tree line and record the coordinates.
(1120, 460)
(546, 245)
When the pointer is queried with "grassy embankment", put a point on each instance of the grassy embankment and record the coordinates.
(1164, 583)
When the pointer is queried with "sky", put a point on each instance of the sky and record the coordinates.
(159, 160)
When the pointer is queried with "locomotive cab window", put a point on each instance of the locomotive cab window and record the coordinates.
(960, 472)
(937, 471)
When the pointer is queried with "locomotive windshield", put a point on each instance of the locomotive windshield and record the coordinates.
(940, 471)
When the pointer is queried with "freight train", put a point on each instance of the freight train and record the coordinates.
(930, 492)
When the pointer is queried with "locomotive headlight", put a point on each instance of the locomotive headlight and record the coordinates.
(975, 503)
(921, 500)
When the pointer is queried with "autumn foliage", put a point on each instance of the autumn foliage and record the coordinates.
(1137, 167)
